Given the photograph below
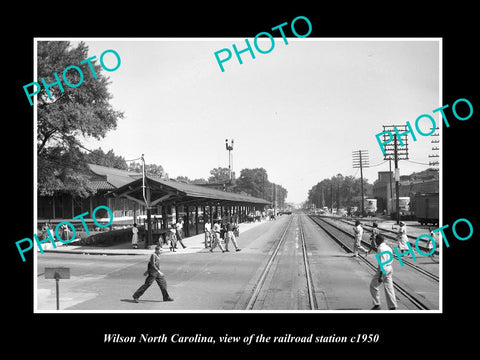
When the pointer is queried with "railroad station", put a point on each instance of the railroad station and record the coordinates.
(319, 250)
(149, 200)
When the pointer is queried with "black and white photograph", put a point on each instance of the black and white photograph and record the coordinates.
(227, 163)
(242, 180)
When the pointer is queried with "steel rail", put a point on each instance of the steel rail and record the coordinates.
(404, 261)
(310, 288)
(266, 269)
(390, 234)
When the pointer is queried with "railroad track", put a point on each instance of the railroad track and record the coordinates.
(339, 235)
(411, 264)
(391, 234)
(260, 283)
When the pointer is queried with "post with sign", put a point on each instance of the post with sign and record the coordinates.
(57, 273)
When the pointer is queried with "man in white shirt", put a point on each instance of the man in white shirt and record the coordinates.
(208, 233)
(357, 244)
(385, 258)
(402, 237)
(135, 236)
(179, 227)
(216, 236)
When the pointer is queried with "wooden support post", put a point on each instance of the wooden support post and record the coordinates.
(196, 219)
(186, 224)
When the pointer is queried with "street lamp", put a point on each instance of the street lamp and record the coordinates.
(229, 149)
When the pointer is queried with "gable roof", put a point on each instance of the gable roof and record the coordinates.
(129, 184)
(115, 177)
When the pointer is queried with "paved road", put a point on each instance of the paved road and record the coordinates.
(203, 281)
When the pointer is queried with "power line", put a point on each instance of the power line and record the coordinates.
(416, 162)
(140, 158)
(383, 162)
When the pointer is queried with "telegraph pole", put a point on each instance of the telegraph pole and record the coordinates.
(146, 198)
(360, 160)
(396, 153)
(397, 178)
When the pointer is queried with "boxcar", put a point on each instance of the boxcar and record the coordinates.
(426, 208)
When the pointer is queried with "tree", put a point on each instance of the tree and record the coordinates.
(253, 182)
(199, 181)
(184, 179)
(219, 175)
(109, 159)
(65, 116)
(338, 191)
(150, 169)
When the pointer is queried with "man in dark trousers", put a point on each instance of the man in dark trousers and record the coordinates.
(154, 274)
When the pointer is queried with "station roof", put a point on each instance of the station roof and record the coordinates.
(168, 192)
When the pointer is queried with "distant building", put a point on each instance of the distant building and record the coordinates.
(409, 185)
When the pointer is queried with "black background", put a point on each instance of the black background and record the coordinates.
(82, 334)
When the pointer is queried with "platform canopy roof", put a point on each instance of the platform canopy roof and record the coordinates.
(154, 191)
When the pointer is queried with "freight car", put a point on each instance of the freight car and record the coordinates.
(426, 208)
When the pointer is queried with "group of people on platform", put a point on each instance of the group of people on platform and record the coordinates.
(223, 232)
(172, 238)
(379, 245)
(226, 229)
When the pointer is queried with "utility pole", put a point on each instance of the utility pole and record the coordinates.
(146, 198)
(331, 196)
(360, 160)
(396, 153)
(397, 178)
(274, 196)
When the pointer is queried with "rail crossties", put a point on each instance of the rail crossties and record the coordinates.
(430, 238)
(227, 53)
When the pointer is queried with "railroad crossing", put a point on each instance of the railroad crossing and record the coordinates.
(296, 263)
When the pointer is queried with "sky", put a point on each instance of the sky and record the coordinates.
(298, 111)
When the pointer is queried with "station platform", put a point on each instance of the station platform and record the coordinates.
(193, 244)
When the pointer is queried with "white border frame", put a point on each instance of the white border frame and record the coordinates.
(35, 181)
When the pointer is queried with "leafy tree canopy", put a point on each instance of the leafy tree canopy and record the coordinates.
(65, 117)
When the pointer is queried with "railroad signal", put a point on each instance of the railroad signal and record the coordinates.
(230, 159)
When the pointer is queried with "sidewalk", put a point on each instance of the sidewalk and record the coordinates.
(193, 244)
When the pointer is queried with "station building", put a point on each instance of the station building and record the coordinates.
(146, 200)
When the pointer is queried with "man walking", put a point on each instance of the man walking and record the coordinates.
(179, 227)
(373, 237)
(358, 232)
(216, 236)
(208, 233)
(154, 274)
(402, 237)
(380, 277)
(230, 236)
